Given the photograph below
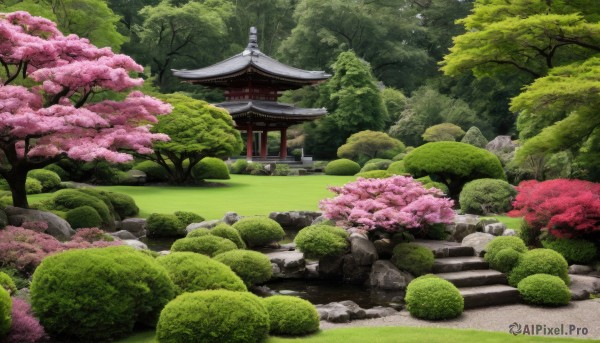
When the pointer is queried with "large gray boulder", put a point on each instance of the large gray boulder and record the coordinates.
(207, 224)
(463, 226)
(496, 229)
(294, 220)
(503, 147)
(57, 227)
(478, 241)
(290, 264)
(230, 218)
(363, 251)
(137, 226)
(385, 275)
(123, 235)
(134, 243)
(582, 287)
(344, 311)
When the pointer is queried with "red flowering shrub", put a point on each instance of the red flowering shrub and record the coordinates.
(566, 208)
(25, 327)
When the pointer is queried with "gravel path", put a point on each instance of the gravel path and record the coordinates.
(583, 314)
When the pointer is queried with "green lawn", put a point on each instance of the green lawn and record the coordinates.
(393, 335)
(510, 222)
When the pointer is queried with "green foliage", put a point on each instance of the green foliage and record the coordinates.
(375, 174)
(432, 298)
(154, 171)
(20, 280)
(397, 168)
(239, 167)
(98, 294)
(33, 186)
(62, 174)
(540, 261)
(442, 132)
(369, 144)
(207, 245)
(486, 196)
(225, 231)
(199, 232)
(394, 101)
(342, 167)
(291, 316)
(453, 164)
(376, 164)
(499, 244)
(475, 138)
(186, 218)
(214, 317)
(259, 231)
(544, 289)
(251, 266)
(318, 241)
(5, 312)
(164, 225)
(412, 258)
(123, 204)
(49, 179)
(506, 259)
(67, 199)
(83, 217)
(192, 272)
(428, 183)
(7, 283)
(577, 251)
(211, 168)
(282, 170)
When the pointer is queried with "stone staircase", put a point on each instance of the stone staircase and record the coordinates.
(479, 285)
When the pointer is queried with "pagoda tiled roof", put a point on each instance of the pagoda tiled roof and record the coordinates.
(270, 110)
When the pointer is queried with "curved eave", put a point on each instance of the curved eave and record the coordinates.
(271, 110)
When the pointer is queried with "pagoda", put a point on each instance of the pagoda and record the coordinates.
(252, 82)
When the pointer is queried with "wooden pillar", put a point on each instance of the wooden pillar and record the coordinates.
(263, 144)
(283, 145)
(249, 142)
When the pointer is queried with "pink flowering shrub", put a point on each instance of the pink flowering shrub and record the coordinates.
(391, 204)
(25, 249)
(25, 327)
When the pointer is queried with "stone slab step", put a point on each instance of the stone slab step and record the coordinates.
(472, 278)
(490, 295)
(457, 264)
(445, 248)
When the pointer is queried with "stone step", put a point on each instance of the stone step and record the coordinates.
(458, 264)
(490, 295)
(472, 278)
(445, 248)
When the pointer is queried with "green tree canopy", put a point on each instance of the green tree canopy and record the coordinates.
(442, 132)
(368, 144)
(475, 138)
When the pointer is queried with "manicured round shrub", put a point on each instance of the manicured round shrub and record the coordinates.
(98, 294)
(5, 312)
(123, 204)
(154, 171)
(375, 174)
(485, 196)
(412, 258)
(573, 250)
(397, 168)
(7, 283)
(259, 231)
(226, 231)
(239, 167)
(207, 245)
(474, 137)
(499, 243)
(33, 186)
(291, 316)
(540, 261)
(376, 164)
(318, 241)
(68, 199)
(198, 232)
(195, 272)
(49, 179)
(251, 266)
(214, 317)
(84, 216)
(342, 167)
(433, 298)
(186, 218)
(544, 289)
(428, 183)
(506, 259)
(62, 174)
(211, 168)
(164, 225)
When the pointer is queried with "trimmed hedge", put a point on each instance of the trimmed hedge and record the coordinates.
(62, 174)
(291, 316)
(397, 168)
(195, 272)
(49, 179)
(413, 258)
(211, 168)
(164, 225)
(214, 317)
(186, 218)
(540, 261)
(33, 186)
(83, 217)
(318, 241)
(7, 283)
(427, 182)
(154, 171)
(376, 164)
(199, 232)
(259, 231)
(123, 204)
(207, 245)
(506, 259)
(225, 231)
(238, 167)
(485, 196)
(573, 250)
(497, 245)
(375, 174)
(98, 294)
(68, 199)
(342, 166)
(5, 312)
(544, 289)
(432, 298)
(252, 267)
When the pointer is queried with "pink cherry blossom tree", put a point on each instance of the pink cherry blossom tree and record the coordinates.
(51, 87)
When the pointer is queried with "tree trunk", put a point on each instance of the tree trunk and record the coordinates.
(16, 181)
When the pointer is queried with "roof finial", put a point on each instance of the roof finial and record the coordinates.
(252, 39)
